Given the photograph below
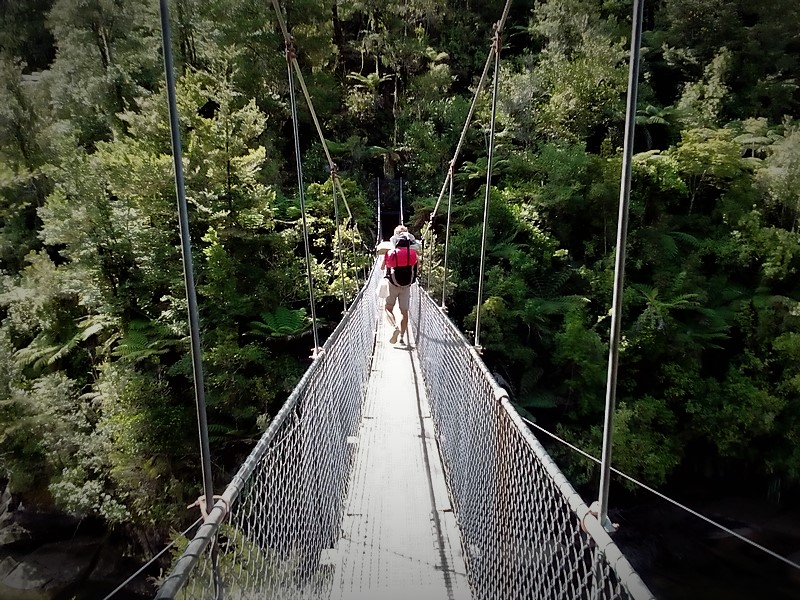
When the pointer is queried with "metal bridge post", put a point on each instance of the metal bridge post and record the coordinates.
(619, 267)
(188, 276)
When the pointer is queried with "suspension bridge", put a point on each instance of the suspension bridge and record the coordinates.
(395, 471)
(400, 472)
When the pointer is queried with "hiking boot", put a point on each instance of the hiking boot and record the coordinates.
(395, 334)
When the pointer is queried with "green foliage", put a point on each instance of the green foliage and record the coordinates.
(243, 561)
(647, 443)
(282, 322)
(780, 175)
(145, 340)
(701, 102)
(95, 369)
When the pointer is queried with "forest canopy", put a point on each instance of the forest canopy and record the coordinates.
(96, 398)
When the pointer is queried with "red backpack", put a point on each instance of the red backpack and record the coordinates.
(402, 263)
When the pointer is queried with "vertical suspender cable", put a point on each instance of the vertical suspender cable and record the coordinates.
(338, 237)
(619, 267)
(499, 28)
(402, 216)
(467, 122)
(496, 46)
(301, 192)
(447, 238)
(379, 235)
(188, 276)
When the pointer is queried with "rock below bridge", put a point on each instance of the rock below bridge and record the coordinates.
(48, 572)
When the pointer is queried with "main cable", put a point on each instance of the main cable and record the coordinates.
(296, 66)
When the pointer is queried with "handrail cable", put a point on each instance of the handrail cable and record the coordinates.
(301, 191)
(667, 498)
(497, 42)
(152, 560)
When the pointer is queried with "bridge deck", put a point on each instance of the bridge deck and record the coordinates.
(399, 535)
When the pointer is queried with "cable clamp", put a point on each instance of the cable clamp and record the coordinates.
(291, 52)
(594, 510)
(201, 503)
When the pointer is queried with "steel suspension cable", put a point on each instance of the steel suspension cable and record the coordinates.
(301, 191)
(189, 283)
(485, 229)
(402, 216)
(498, 31)
(467, 123)
(429, 225)
(379, 234)
(619, 264)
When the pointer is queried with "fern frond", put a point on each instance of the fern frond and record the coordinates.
(282, 322)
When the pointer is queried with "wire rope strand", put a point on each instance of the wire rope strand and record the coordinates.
(296, 66)
(426, 238)
(301, 192)
(665, 497)
(151, 561)
(402, 216)
(188, 276)
(379, 233)
(496, 49)
(298, 72)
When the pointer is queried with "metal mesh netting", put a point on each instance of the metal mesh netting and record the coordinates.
(520, 519)
(287, 499)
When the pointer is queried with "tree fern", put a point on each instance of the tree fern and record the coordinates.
(43, 351)
(144, 339)
(281, 322)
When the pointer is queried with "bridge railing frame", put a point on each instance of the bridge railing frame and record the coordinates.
(487, 451)
(359, 342)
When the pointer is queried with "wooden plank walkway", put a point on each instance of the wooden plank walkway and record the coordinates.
(399, 535)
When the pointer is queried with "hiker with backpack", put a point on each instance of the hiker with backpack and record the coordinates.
(400, 266)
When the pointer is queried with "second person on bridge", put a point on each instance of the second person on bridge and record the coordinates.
(400, 267)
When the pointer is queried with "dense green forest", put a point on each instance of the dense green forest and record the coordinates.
(97, 411)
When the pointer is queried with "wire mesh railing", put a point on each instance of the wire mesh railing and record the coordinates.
(287, 499)
(526, 533)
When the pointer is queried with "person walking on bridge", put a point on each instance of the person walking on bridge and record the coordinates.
(400, 267)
